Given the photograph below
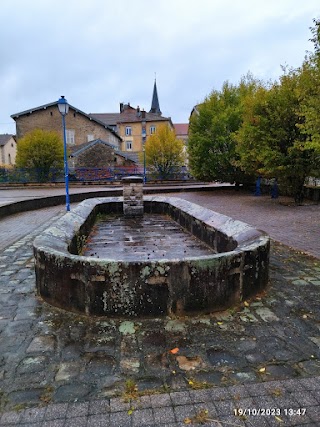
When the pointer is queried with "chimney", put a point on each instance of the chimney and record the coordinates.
(138, 111)
(121, 107)
(143, 114)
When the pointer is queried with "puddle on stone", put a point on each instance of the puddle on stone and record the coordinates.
(152, 236)
(220, 358)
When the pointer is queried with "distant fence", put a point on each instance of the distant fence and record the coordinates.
(313, 182)
(39, 175)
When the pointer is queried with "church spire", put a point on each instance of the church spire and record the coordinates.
(155, 107)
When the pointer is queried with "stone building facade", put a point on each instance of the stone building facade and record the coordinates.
(98, 154)
(8, 150)
(80, 127)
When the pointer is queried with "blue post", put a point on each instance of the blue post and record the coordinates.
(144, 165)
(66, 169)
(63, 107)
(258, 188)
(144, 138)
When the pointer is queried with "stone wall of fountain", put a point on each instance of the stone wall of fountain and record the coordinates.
(236, 268)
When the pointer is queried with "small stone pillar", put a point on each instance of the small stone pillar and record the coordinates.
(132, 196)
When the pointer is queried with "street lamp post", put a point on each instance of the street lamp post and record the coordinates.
(64, 109)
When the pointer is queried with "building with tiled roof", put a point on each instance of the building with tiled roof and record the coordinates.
(182, 130)
(8, 149)
(99, 154)
(80, 127)
(133, 124)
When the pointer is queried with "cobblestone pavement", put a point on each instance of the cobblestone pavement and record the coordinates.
(295, 226)
(254, 365)
(13, 227)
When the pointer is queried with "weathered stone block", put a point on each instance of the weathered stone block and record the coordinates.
(132, 196)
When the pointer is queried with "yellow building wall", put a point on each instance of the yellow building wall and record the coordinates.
(136, 133)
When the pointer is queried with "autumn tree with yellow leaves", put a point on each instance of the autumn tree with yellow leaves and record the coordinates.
(164, 152)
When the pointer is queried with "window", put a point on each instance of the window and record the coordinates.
(128, 145)
(152, 130)
(70, 136)
(128, 130)
(90, 137)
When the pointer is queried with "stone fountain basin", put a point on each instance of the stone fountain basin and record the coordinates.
(236, 269)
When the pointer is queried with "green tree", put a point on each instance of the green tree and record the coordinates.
(41, 150)
(309, 90)
(211, 148)
(270, 142)
(164, 151)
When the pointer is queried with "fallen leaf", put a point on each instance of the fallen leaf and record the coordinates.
(219, 323)
(187, 421)
(261, 370)
(174, 350)
(279, 419)
(246, 304)
(189, 363)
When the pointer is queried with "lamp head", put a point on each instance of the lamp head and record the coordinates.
(63, 106)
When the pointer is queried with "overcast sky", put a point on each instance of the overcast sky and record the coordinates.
(99, 53)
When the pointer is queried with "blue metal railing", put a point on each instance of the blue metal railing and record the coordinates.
(39, 175)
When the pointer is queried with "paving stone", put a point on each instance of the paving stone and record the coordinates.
(225, 407)
(314, 413)
(101, 406)
(32, 364)
(299, 282)
(20, 397)
(11, 417)
(42, 344)
(266, 314)
(142, 417)
(56, 411)
(316, 340)
(163, 415)
(143, 402)
(71, 392)
(77, 409)
(101, 420)
(120, 419)
(184, 411)
(76, 422)
(67, 338)
(33, 415)
(180, 398)
(304, 398)
(161, 400)
(117, 405)
(67, 371)
(53, 423)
